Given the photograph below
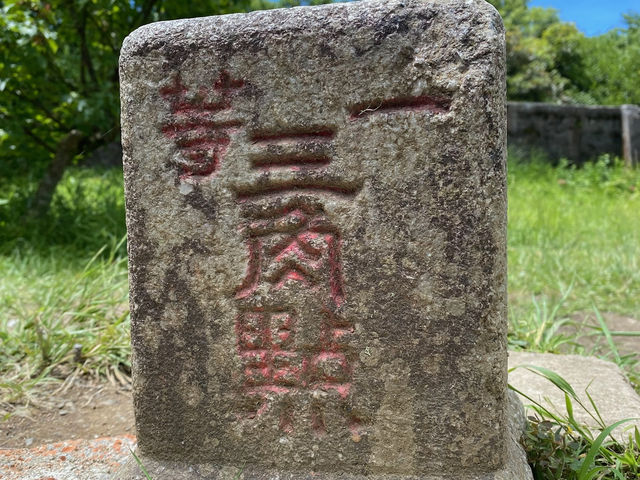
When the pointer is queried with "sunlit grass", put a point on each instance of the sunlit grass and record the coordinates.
(574, 242)
(63, 284)
(60, 314)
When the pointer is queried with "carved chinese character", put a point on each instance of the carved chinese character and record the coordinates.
(201, 125)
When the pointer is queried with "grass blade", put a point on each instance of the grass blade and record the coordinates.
(586, 472)
(554, 378)
(139, 462)
(607, 334)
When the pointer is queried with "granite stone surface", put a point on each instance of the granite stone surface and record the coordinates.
(316, 208)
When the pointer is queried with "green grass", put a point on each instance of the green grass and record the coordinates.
(559, 447)
(59, 314)
(573, 243)
(86, 214)
(63, 289)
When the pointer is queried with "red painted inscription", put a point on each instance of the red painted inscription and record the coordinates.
(292, 341)
(303, 248)
(201, 125)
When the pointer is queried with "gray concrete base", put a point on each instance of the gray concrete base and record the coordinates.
(606, 383)
(516, 467)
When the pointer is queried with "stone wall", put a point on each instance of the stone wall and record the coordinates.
(576, 132)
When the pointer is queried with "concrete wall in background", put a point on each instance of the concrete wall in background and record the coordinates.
(631, 134)
(576, 132)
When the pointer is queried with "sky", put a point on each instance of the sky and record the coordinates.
(593, 17)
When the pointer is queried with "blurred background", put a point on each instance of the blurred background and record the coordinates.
(574, 264)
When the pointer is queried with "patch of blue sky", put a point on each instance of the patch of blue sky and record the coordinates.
(593, 17)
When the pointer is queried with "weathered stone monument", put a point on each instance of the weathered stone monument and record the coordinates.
(316, 209)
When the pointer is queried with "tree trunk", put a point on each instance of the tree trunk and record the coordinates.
(67, 149)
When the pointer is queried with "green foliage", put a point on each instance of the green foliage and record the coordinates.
(552, 61)
(612, 64)
(559, 447)
(60, 314)
(59, 71)
(573, 237)
(630, 363)
(573, 246)
(87, 213)
(543, 55)
(540, 330)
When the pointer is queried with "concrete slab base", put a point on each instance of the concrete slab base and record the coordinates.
(606, 383)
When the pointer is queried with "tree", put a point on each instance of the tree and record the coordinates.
(59, 77)
(544, 61)
(613, 64)
(552, 61)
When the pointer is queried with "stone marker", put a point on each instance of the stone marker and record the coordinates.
(316, 210)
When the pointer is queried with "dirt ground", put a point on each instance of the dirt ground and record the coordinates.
(85, 410)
